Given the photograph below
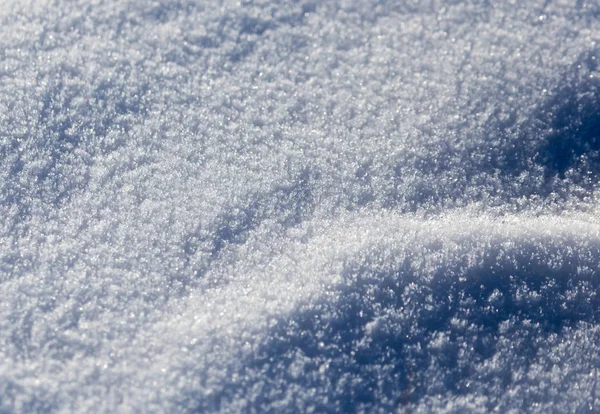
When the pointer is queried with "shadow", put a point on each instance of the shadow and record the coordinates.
(393, 339)
(560, 142)
(552, 152)
(68, 121)
(288, 205)
(572, 118)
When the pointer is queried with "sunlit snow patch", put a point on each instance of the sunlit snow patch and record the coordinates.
(274, 206)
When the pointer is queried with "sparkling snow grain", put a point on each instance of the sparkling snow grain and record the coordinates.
(299, 206)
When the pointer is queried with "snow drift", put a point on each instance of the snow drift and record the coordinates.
(265, 206)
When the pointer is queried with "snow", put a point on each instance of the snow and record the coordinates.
(296, 206)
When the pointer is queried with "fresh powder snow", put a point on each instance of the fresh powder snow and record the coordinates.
(298, 206)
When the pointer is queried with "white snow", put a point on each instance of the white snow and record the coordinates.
(296, 206)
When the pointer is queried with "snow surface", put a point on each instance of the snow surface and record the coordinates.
(296, 206)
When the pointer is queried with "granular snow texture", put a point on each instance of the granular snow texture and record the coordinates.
(299, 206)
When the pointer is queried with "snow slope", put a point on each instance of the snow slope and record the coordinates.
(296, 206)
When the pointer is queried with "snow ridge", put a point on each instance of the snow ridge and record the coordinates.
(289, 205)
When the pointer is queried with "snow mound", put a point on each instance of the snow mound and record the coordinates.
(286, 205)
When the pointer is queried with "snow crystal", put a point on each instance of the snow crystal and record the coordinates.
(290, 205)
